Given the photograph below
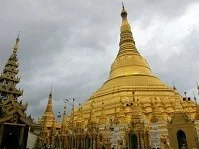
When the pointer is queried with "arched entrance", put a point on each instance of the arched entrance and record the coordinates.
(182, 142)
(87, 142)
(10, 139)
(13, 136)
(103, 147)
(133, 141)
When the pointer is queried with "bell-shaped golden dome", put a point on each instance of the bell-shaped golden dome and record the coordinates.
(130, 69)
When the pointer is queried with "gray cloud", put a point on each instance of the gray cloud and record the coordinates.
(71, 44)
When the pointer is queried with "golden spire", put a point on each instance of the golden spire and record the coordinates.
(49, 106)
(124, 20)
(16, 45)
(48, 116)
(128, 61)
(64, 121)
(127, 43)
(79, 116)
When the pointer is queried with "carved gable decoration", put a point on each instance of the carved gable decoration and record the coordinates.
(181, 122)
(179, 118)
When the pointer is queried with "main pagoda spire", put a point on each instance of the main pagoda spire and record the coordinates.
(128, 61)
(127, 43)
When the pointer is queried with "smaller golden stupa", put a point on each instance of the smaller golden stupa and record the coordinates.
(49, 127)
(48, 117)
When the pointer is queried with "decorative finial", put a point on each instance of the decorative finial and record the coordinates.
(51, 90)
(17, 40)
(123, 5)
(64, 105)
(123, 13)
(16, 44)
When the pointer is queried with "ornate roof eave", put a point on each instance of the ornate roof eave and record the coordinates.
(16, 109)
(18, 92)
(16, 105)
(11, 70)
(6, 118)
(4, 102)
(3, 76)
(16, 64)
(25, 120)
(23, 107)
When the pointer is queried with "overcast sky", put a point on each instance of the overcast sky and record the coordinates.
(71, 44)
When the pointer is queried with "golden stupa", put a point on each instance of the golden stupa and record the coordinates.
(131, 81)
(132, 109)
(48, 118)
